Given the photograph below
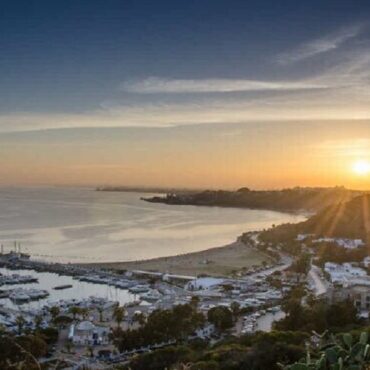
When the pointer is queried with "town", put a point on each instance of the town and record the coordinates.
(89, 331)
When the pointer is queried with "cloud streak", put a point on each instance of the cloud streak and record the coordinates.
(153, 85)
(340, 92)
(311, 105)
(320, 46)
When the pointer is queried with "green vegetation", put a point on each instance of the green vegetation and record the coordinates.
(302, 264)
(275, 350)
(343, 353)
(283, 200)
(318, 315)
(161, 326)
(330, 252)
(260, 351)
(119, 314)
(220, 317)
(21, 352)
(342, 220)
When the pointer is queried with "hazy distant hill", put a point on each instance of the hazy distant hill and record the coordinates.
(296, 199)
(349, 219)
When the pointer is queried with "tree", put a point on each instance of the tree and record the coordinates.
(235, 309)
(194, 301)
(49, 335)
(84, 312)
(221, 317)
(20, 322)
(69, 345)
(100, 309)
(38, 321)
(74, 310)
(320, 316)
(62, 321)
(161, 326)
(302, 264)
(227, 288)
(54, 312)
(139, 318)
(119, 314)
(21, 352)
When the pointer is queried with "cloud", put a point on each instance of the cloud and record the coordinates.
(340, 92)
(307, 105)
(351, 148)
(154, 85)
(321, 45)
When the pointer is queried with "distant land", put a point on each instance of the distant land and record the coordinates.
(349, 219)
(143, 189)
(286, 200)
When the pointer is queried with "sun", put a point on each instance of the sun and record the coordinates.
(361, 167)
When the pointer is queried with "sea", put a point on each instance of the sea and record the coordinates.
(64, 224)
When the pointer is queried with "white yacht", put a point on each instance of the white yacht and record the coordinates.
(139, 288)
(19, 296)
(151, 295)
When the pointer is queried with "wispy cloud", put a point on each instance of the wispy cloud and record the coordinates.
(154, 85)
(311, 105)
(321, 45)
(340, 92)
(359, 148)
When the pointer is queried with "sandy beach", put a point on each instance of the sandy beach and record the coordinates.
(220, 261)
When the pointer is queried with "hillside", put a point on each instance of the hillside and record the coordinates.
(295, 199)
(349, 219)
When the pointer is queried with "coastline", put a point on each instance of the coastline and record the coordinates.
(216, 261)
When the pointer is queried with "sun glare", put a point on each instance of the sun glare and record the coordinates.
(361, 167)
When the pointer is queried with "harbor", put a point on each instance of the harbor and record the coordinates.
(45, 285)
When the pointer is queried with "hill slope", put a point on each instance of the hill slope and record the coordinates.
(349, 219)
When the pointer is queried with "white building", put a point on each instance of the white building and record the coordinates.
(86, 333)
(343, 274)
(204, 283)
(342, 242)
(366, 261)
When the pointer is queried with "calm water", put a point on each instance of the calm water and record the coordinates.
(79, 290)
(79, 224)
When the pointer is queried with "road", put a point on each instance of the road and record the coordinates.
(320, 284)
(286, 262)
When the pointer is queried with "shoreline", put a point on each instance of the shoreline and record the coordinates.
(215, 261)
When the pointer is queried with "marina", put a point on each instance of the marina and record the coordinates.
(79, 289)
(50, 285)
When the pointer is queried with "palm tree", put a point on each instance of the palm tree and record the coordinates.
(54, 312)
(139, 318)
(74, 310)
(100, 310)
(20, 321)
(119, 314)
(235, 309)
(38, 321)
(69, 345)
(194, 301)
(84, 313)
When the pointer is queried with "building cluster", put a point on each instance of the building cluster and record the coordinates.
(341, 242)
(349, 282)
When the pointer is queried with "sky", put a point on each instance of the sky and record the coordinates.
(198, 94)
